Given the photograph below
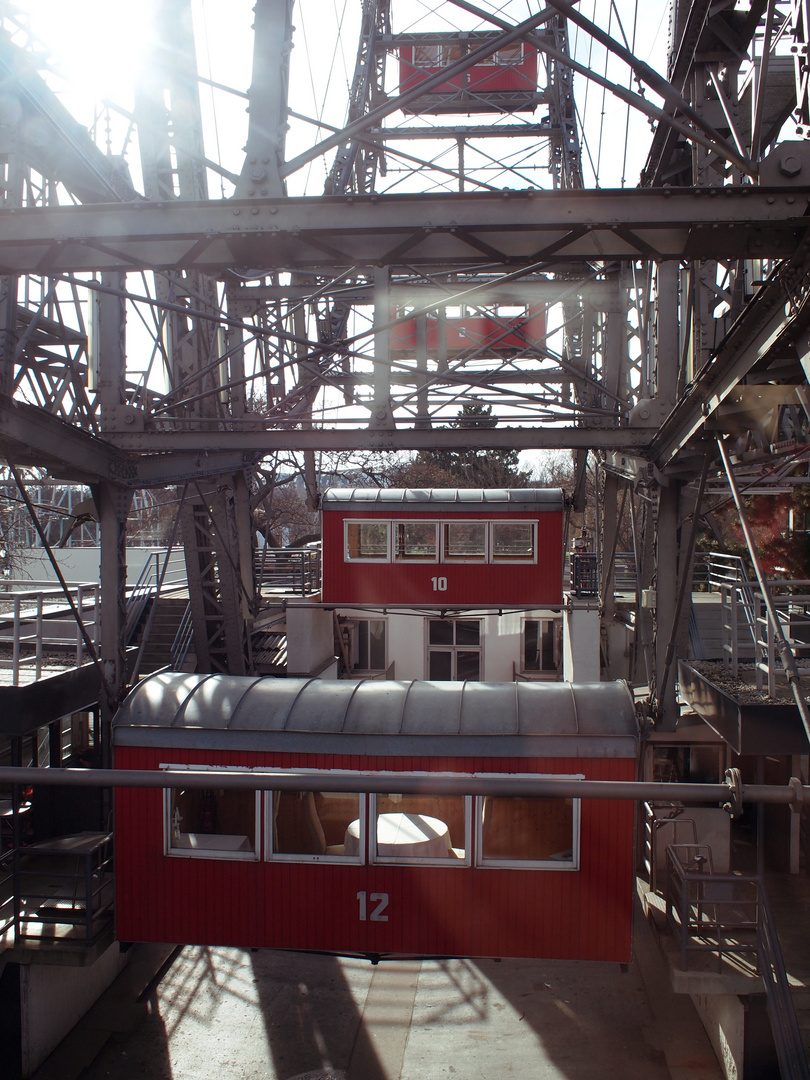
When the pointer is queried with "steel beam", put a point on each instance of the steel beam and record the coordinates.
(332, 233)
(250, 441)
(29, 435)
(782, 305)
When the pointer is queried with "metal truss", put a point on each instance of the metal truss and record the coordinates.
(151, 335)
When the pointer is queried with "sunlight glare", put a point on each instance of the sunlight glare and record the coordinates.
(95, 46)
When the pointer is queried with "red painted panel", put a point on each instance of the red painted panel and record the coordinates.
(481, 332)
(439, 910)
(480, 78)
(414, 584)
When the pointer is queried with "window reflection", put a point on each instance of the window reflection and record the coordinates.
(313, 823)
(367, 539)
(515, 830)
(210, 820)
(420, 827)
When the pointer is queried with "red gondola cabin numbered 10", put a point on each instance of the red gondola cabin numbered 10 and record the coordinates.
(445, 548)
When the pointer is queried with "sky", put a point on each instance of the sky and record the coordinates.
(96, 47)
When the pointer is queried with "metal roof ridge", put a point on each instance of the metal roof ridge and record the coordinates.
(256, 678)
(411, 685)
(574, 704)
(296, 699)
(182, 709)
(357, 686)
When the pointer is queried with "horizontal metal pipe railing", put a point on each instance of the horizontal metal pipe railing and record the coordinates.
(448, 783)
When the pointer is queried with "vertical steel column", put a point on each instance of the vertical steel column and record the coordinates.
(610, 534)
(267, 128)
(381, 416)
(109, 359)
(668, 335)
(422, 404)
(112, 503)
(667, 537)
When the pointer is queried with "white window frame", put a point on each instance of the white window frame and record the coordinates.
(463, 560)
(454, 649)
(169, 848)
(304, 857)
(375, 859)
(540, 673)
(347, 557)
(415, 559)
(561, 865)
(510, 560)
(354, 646)
(493, 60)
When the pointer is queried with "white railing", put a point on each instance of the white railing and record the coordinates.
(793, 612)
(41, 618)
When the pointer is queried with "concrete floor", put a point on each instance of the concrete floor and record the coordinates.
(228, 1013)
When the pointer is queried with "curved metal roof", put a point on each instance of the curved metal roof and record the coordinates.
(447, 499)
(174, 709)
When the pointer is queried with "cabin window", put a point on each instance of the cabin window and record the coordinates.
(527, 832)
(454, 650)
(428, 55)
(465, 541)
(416, 541)
(367, 540)
(211, 822)
(542, 646)
(420, 828)
(508, 55)
(513, 541)
(315, 826)
(438, 53)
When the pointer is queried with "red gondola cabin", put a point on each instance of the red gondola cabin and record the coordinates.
(446, 548)
(350, 862)
(505, 81)
(483, 333)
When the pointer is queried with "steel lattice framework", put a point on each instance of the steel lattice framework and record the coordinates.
(152, 335)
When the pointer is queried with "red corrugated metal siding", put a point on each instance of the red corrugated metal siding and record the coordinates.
(439, 910)
(488, 584)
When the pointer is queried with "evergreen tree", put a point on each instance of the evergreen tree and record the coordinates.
(466, 466)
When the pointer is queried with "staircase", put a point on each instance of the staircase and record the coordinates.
(165, 623)
(790, 901)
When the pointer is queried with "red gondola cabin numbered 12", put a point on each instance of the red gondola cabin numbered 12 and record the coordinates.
(355, 860)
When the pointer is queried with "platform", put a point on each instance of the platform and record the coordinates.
(287, 1016)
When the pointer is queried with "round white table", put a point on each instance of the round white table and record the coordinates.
(414, 836)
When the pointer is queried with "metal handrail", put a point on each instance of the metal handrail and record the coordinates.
(728, 575)
(791, 611)
(182, 640)
(705, 909)
(30, 614)
(86, 892)
(709, 912)
(145, 588)
(296, 570)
